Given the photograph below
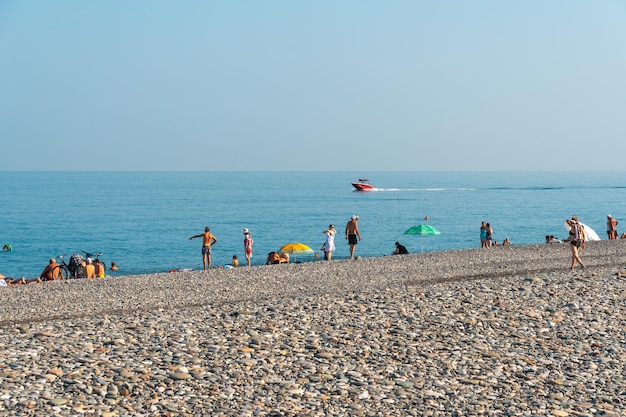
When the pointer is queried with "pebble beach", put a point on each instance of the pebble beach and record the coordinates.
(506, 331)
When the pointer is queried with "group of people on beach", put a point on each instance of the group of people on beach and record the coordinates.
(94, 269)
(353, 236)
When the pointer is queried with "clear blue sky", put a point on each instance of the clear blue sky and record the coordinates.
(318, 85)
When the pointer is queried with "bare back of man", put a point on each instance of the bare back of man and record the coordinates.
(352, 234)
(208, 240)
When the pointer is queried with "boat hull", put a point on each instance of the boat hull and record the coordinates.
(362, 187)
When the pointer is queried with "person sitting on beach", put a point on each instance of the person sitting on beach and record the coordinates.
(623, 236)
(98, 268)
(506, 242)
(284, 258)
(273, 258)
(552, 239)
(400, 249)
(235, 261)
(51, 271)
(90, 270)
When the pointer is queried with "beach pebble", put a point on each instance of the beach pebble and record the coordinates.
(476, 332)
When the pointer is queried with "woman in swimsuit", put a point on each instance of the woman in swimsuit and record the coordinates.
(483, 235)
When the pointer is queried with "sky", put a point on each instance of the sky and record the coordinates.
(312, 86)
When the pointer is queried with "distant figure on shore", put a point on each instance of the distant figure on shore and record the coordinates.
(247, 245)
(90, 270)
(352, 233)
(552, 239)
(489, 235)
(623, 236)
(7, 247)
(506, 242)
(483, 234)
(329, 245)
(114, 266)
(284, 258)
(235, 261)
(273, 258)
(400, 249)
(208, 240)
(98, 268)
(611, 227)
(50, 272)
(576, 239)
(9, 282)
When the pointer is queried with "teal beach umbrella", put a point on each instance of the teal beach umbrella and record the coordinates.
(422, 230)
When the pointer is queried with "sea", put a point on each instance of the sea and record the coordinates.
(143, 220)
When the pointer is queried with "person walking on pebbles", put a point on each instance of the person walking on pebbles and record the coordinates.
(576, 238)
(208, 240)
(247, 245)
(352, 233)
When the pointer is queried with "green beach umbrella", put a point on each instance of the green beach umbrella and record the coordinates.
(422, 230)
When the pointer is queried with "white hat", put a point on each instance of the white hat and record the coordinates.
(355, 217)
(89, 260)
(245, 231)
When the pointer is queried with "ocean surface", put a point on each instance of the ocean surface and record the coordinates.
(143, 220)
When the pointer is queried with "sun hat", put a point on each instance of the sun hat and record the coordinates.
(245, 231)
(355, 217)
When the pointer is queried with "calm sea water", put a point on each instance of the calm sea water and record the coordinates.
(143, 220)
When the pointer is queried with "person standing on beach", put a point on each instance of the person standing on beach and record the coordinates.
(611, 227)
(483, 235)
(247, 245)
(208, 240)
(489, 235)
(329, 245)
(352, 233)
(576, 239)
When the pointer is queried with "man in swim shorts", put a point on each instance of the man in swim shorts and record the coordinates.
(611, 227)
(208, 240)
(352, 233)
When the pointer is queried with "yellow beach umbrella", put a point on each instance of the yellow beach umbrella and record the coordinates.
(296, 249)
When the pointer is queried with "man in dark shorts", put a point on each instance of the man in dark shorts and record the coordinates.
(208, 240)
(352, 234)
(611, 227)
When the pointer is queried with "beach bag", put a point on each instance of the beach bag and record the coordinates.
(581, 233)
(75, 261)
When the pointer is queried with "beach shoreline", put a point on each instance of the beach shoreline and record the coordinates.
(218, 286)
(471, 332)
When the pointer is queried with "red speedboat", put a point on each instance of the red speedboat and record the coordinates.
(363, 185)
